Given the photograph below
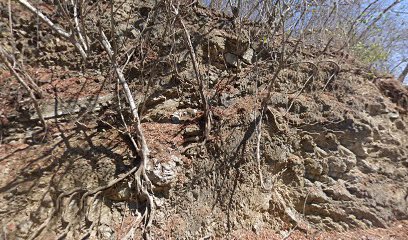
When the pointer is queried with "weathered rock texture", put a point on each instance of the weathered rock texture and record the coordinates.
(334, 157)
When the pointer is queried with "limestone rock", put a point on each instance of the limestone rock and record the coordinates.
(393, 115)
(219, 42)
(192, 130)
(162, 173)
(337, 166)
(248, 56)
(376, 108)
(313, 169)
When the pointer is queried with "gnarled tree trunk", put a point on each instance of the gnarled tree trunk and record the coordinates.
(403, 74)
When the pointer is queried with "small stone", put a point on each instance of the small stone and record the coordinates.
(375, 108)
(192, 130)
(25, 226)
(359, 150)
(47, 200)
(191, 112)
(4, 122)
(11, 227)
(284, 234)
(231, 59)
(158, 202)
(348, 157)
(151, 102)
(320, 152)
(190, 196)
(336, 166)
(175, 159)
(219, 42)
(161, 174)
(393, 115)
(308, 144)
(313, 168)
(256, 227)
(225, 99)
(134, 33)
(400, 124)
(175, 118)
(213, 79)
(248, 56)
(338, 192)
(22, 32)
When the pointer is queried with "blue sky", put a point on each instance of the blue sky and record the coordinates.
(400, 14)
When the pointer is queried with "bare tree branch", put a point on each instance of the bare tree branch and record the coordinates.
(200, 82)
(142, 148)
(59, 30)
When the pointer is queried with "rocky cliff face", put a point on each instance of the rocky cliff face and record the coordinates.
(333, 145)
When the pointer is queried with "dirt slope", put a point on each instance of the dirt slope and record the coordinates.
(333, 150)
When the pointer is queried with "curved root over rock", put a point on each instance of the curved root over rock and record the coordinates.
(143, 185)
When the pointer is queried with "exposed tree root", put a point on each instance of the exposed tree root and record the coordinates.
(54, 211)
(140, 177)
(143, 183)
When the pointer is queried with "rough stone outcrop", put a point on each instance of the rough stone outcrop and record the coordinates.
(333, 154)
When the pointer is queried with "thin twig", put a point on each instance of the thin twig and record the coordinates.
(200, 82)
(59, 30)
(3, 57)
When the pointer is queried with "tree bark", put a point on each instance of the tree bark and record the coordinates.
(403, 74)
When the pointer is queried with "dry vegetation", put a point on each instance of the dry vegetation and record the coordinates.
(143, 109)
